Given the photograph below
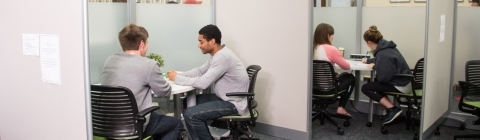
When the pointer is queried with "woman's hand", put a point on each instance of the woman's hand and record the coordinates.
(364, 60)
(371, 66)
(171, 75)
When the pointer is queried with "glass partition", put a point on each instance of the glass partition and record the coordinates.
(105, 20)
(466, 47)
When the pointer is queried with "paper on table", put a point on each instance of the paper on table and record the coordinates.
(30, 44)
(50, 58)
(360, 64)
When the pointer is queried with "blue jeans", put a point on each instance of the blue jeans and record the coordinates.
(163, 127)
(209, 107)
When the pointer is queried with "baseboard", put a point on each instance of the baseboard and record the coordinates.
(434, 126)
(280, 132)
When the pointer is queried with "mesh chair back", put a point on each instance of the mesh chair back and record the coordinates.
(418, 73)
(114, 111)
(252, 71)
(472, 75)
(324, 80)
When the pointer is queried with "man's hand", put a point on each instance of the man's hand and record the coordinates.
(371, 65)
(171, 75)
(364, 60)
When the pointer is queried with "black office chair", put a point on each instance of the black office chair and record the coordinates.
(115, 113)
(325, 92)
(411, 100)
(470, 88)
(239, 125)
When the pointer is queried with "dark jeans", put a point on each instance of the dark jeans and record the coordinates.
(346, 82)
(163, 127)
(209, 107)
(375, 90)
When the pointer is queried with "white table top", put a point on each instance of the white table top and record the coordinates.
(355, 65)
(176, 89)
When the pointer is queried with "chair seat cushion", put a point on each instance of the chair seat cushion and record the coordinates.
(328, 95)
(418, 92)
(473, 103)
(239, 118)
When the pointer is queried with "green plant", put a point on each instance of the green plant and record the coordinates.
(157, 58)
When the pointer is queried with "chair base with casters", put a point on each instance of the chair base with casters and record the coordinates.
(477, 122)
(238, 126)
(322, 114)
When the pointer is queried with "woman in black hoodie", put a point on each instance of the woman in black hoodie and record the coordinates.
(387, 62)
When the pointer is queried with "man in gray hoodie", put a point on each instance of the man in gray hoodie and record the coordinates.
(228, 74)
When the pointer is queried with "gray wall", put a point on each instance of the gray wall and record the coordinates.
(31, 109)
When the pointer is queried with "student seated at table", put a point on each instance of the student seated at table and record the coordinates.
(323, 50)
(131, 69)
(226, 71)
(388, 61)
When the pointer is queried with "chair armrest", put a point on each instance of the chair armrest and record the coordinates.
(240, 94)
(465, 83)
(404, 75)
(149, 110)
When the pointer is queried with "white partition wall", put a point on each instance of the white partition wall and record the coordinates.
(344, 25)
(105, 20)
(275, 35)
(173, 32)
(404, 25)
(31, 109)
(438, 58)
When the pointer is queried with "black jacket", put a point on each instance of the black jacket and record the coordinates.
(388, 62)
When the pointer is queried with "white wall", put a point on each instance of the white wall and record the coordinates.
(468, 42)
(31, 109)
(438, 63)
(273, 34)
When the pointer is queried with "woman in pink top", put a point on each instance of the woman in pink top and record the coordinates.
(323, 50)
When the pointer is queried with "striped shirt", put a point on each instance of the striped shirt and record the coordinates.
(226, 72)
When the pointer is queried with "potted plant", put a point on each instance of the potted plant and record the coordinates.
(157, 58)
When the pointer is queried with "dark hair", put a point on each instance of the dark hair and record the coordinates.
(131, 36)
(373, 35)
(475, 1)
(321, 34)
(210, 32)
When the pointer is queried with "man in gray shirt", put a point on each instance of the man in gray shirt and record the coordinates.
(141, 75)
(226, 71)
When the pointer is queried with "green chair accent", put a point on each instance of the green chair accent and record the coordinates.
(325, 92)
(412, 100)
(470, 87)
(239, 125)
(115, 114)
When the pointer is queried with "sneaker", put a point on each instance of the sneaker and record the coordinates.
(392, 114)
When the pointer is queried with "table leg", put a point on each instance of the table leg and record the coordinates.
(191, 98)
(177, 106)
(370, 113)
(356, 96)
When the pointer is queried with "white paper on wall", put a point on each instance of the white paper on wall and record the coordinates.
(31, 44)
(50, 58)
(442, 28)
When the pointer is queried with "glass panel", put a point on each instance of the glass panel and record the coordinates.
(105, 20)
(466, 47)
(173, 31)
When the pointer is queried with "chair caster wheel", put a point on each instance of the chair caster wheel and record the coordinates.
(462, 126)
(369, 124)
(416, 137)
(437, 132)
(340, 132)
(384, 130)
(346, 123)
